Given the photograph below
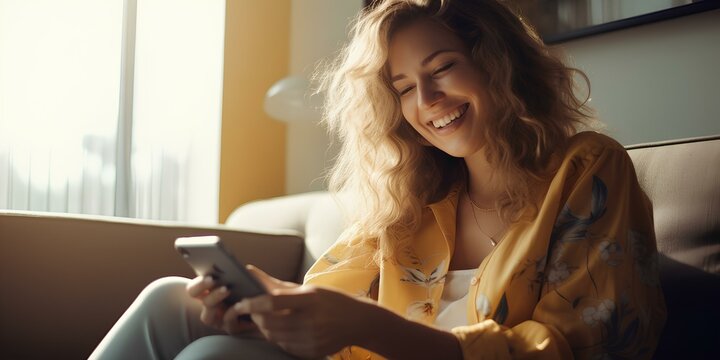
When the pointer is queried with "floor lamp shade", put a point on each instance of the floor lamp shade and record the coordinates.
(292, 100)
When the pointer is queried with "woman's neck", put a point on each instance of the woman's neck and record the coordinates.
(484, 182)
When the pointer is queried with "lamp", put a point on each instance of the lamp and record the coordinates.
(291, 100)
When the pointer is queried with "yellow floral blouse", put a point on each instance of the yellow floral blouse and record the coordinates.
(578, 280)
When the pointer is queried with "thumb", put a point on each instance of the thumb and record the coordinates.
(268, 281)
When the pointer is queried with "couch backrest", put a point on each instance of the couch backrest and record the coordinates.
(682, 178)
(66, 279)
(315, 215)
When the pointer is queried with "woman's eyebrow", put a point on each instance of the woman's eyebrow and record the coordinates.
(425, 61)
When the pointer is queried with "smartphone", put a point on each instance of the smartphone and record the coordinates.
(207, 256)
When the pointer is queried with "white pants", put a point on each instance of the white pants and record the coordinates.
(164, 323)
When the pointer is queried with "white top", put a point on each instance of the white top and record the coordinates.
(452, 311)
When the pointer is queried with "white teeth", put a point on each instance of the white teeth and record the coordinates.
(447, 119)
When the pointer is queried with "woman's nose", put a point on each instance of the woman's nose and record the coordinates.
(429, 94)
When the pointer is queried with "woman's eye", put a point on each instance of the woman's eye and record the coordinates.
(406, 90)
(443, 68)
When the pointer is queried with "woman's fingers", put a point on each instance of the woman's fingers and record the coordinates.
(216, 314)
(268, 281)
(293, 299)
(282, 322)
(203, 289)
(215, 297)
(209, 316)
(234, 322)
(199, 286)
(304, 320)
(286, 311)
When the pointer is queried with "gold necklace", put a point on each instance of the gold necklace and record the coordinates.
(476, 206)
(473, 205)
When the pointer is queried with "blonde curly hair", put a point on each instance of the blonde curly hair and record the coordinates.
(382, 161)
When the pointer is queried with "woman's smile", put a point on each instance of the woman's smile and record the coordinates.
(451, 120)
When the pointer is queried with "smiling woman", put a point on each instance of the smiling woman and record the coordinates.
(485, 225)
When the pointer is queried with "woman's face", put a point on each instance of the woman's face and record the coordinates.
(442, 93)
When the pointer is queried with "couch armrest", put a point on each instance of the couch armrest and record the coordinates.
(66, 279)
(319, 216)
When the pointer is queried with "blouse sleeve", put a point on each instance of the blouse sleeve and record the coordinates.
(600, 296)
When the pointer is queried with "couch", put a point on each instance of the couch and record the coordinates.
(65, 279)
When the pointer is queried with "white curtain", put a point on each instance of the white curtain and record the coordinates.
(111, 107)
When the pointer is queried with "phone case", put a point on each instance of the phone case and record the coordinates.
(207, 256)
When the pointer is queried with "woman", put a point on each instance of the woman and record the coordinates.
(486, 226)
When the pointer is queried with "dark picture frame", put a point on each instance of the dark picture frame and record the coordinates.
(559, 21)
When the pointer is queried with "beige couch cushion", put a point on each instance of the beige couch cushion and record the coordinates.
(315, 215)
(66, 279)
(682, 178)
(683, 181)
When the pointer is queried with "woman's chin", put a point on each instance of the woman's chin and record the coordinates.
(454, 152)
(460, 150)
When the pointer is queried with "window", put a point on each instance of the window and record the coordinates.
(111, 107)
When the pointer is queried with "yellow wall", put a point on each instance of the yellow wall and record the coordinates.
(257, 52)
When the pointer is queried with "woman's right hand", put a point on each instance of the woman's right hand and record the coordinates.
(213, 311)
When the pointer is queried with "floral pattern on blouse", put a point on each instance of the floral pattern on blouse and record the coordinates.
(427, 308)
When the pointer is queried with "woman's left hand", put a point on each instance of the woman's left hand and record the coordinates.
(305, 320)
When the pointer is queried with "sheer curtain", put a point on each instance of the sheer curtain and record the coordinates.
(111, 107)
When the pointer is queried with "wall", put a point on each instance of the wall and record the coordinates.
(252, 160)
(657, 81)
(319, 29)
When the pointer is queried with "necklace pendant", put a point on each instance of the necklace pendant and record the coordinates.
(472, 208)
